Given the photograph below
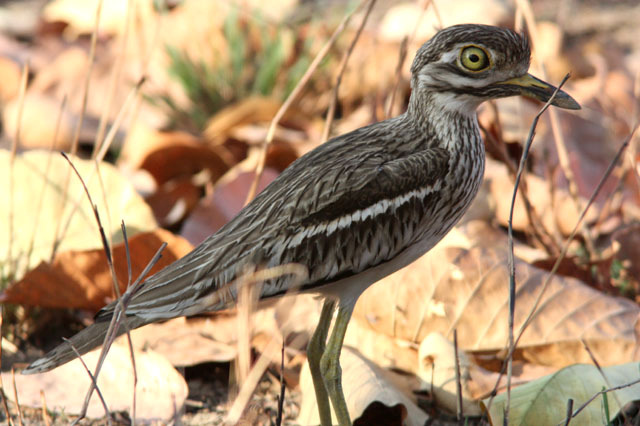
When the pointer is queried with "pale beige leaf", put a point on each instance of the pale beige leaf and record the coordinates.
(544, 401)
(437, 369)
(36, 208)
(365, 388)
(161, 390)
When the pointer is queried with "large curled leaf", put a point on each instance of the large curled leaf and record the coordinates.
(467, 289)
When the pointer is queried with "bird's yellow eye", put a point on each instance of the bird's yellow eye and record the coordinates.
(474, 58)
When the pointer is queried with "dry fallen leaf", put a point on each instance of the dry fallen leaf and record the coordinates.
(468, 290)
(557, 212)
(160, 391)
(82, 279)
(227, 200)
(368, 393)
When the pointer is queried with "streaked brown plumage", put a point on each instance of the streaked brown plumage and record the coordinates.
(357, 208)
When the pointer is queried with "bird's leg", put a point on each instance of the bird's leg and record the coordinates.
(315, 350)
(330, 365)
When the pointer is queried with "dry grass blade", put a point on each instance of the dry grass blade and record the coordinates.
(511, 262)
(11, 263)
(114, 80)
(402, 56)
(343, 66)
(93, 382)
(459, 411)
(5, 404)
(15, 396)
(292, 96)
(45, 415)
(87, 79)
(244, 395)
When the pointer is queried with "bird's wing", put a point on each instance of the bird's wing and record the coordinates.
(335, 216)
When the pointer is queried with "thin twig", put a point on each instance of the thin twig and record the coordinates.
(602, 392)
(558, 137)
(5, 404)
(123, 228)
(402, 56)
(94, 383)
(292, 96)
(538, 231)
(15, 396)
(601, 371)
(122, 302)
(343, 66)
(459, 408)
(561, 256)
(283, 388)
(511, 261)
(569, 411)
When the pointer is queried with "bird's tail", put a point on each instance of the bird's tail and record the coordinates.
(84, 341)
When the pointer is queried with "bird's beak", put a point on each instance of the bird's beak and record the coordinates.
(535, 88)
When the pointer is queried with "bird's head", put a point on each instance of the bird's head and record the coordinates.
(464, 65)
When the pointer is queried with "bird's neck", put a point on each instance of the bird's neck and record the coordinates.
(451, 120)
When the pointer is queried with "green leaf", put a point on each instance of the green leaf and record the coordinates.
(544, 401)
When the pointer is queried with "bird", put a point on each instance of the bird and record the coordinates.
(353, 210)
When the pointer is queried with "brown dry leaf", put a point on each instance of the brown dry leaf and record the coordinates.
(226, 201)
(38, 205)
(174, 200)
(468, 290)
(161, 391)
(82, 279)
(171, 155)
(368, 392)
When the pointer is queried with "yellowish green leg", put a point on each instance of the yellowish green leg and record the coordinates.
(315, 351)
(330, 365)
